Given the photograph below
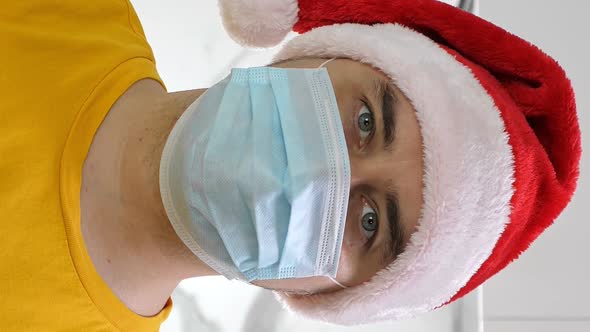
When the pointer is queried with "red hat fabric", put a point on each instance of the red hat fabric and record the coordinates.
(500, 133)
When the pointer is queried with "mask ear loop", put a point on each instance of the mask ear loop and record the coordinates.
(337, 283)
(325, 62)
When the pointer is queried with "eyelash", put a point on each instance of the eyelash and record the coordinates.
(364, 141)
(367, 206)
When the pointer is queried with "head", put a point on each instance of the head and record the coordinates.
(385, 151)
(500, 139)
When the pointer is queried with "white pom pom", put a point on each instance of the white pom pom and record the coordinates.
(258, 23)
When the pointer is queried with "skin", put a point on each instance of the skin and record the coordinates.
(128, 235)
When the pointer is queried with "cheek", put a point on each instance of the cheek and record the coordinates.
(347, 108)
(347, 125)
(351, 252)
(346, 264)
(357, 263)
(354, 239)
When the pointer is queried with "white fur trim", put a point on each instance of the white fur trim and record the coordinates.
(258, 23)
(468, 174)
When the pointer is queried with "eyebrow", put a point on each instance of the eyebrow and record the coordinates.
(394, 244)
(388, 103)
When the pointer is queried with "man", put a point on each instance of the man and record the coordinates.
(456, 158)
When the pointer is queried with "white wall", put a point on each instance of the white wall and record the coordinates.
(192, 50)
(547, 288)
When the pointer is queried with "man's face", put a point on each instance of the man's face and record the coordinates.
(385, 150)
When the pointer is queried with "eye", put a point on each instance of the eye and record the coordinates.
(366, 123)
(369, 221)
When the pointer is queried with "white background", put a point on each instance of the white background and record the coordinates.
(545, 290)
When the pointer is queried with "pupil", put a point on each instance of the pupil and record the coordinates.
(369, 223)
(366, 122)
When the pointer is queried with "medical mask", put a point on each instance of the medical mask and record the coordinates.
(255, 175)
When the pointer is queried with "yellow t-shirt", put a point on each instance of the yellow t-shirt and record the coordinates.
(63, 64)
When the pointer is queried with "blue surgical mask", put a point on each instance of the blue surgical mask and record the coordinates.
(255, 175)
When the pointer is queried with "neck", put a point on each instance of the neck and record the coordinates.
(155, 260)
(151, 115)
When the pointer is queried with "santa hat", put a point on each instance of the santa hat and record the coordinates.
(501, 141)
